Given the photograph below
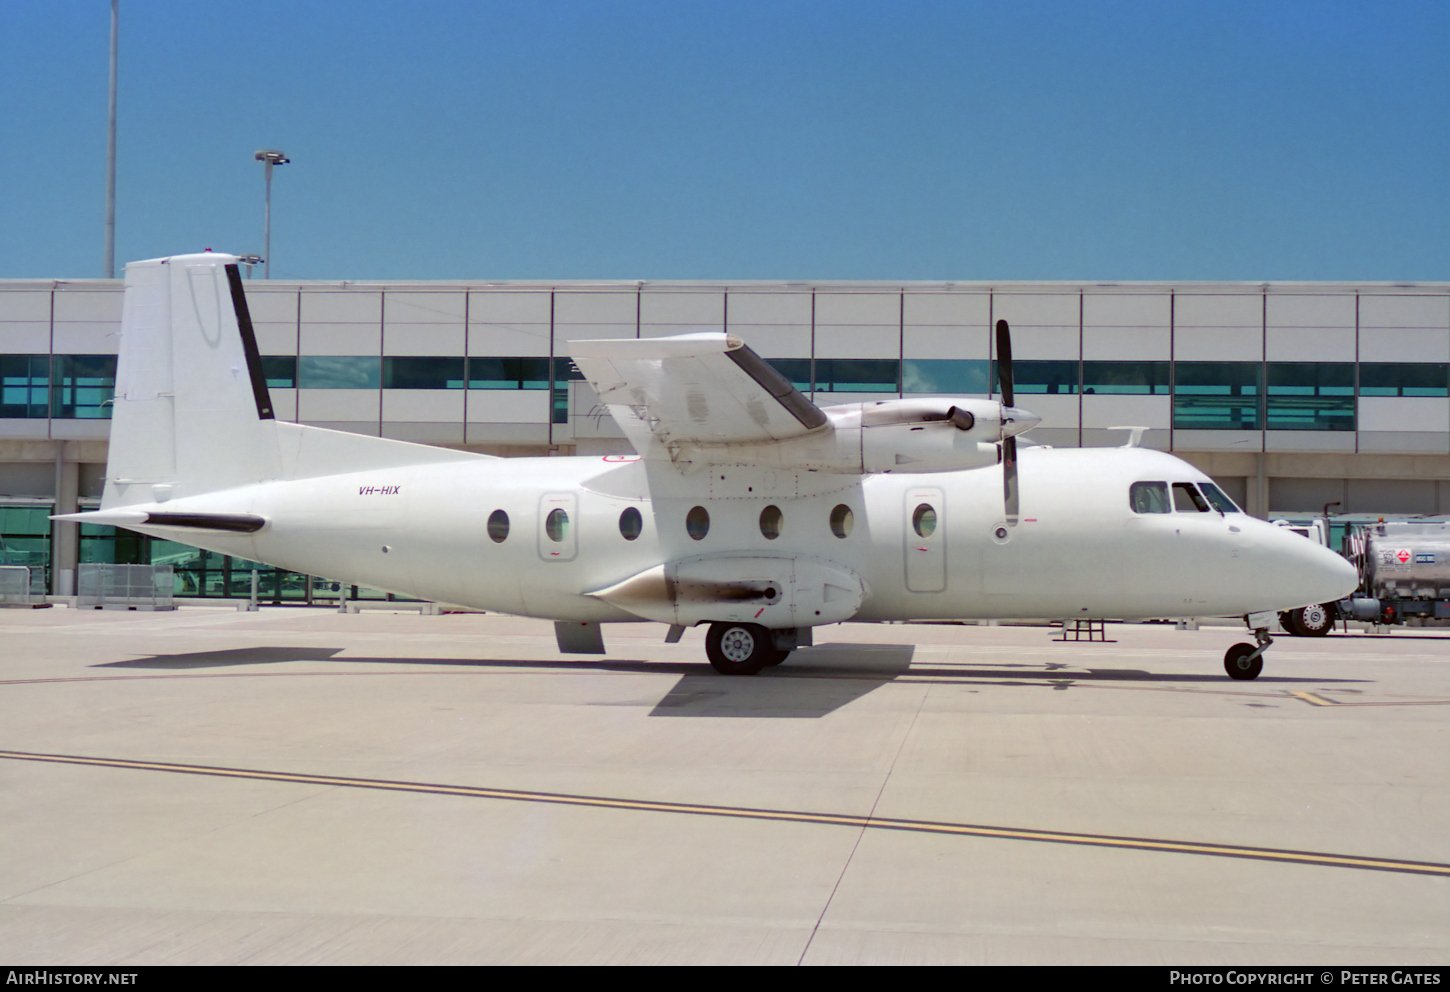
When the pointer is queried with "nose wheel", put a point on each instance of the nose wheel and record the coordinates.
(1245, 661)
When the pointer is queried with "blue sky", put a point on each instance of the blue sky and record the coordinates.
(790, 139)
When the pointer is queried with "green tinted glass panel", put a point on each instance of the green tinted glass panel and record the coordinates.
(1404, 379)
(1216, 396)
(956, 376)
(401, 372)
(857, 375)
(1125, 378)
(508, 373)
(25, 386)
(339, 372)
(1042, 377)
(280, 371)
(566, 371)
(83, 387)
(18, 521)
(1310, 396)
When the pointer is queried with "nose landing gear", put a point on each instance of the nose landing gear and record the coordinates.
(1245, 661)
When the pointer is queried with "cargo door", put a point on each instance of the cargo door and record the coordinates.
(926, 539)
(558, 526)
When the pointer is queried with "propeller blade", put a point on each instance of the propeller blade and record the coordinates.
(1004, 362)
(1009, 479)
(1009, 443)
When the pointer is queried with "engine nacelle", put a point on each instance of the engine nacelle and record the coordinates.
(915, 435)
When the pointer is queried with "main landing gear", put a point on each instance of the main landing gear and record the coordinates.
(1245, 661)
(742, 648)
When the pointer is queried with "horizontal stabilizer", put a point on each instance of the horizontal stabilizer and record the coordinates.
(236, 523)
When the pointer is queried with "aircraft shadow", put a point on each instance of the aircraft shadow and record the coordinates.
(814, 682)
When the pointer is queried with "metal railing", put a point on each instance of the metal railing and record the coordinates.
(128, 587)
(15, 586)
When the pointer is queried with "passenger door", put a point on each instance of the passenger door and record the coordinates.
(558, 526)
(926, 539)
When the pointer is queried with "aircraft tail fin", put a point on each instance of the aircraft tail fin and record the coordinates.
(192, 413)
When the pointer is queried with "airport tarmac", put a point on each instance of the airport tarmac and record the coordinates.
(299, 786)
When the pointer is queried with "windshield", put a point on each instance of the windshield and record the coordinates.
(1215, 495)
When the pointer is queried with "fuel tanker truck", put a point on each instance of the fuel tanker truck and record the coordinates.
(1404, 574)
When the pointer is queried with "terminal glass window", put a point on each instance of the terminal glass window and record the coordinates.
(339, 372)
(1404, 379)
(1126, 378)
(1311, 396)
(84, 386)
(25, 541)
(857, 375)
(25, 386)
(422, 373)
(1050, 377)
(955, 376)
(796, 371)
(508, 373)
(1217, 396)
(280, 371)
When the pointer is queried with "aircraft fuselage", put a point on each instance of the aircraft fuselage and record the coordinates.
(1078, 549)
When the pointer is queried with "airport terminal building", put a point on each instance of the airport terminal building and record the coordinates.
(1291, 395)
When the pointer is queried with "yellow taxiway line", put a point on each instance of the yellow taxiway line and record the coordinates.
(748, 813)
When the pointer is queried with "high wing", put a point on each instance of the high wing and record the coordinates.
(694, 389)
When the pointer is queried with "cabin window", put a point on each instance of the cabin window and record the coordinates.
(1216, 497)
(556, 525)
(1149, 497)
(923, 520)
(630, 524)
(842, 520)
(697, 523)
(770, 521)
(498, 526)
(1187, 500)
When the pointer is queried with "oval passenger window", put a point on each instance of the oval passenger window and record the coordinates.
(842, 520)
(697, 523)
(923, 520)
(556, 525)
(498, 526)
(770, 519)
(630, 524)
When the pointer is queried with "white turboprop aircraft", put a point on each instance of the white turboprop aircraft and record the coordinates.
(748, 507)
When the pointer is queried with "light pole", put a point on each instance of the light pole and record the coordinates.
(111, 154)
(271, 157)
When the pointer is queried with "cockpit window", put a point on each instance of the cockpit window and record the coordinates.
(1187, 500)
(1215, 495)
(1149, 497)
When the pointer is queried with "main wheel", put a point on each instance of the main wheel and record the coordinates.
(1236, 662)
(1313, 621)
(776, 656)
(739, 648)
(1289, 623)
